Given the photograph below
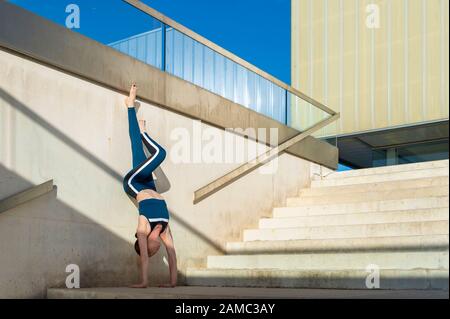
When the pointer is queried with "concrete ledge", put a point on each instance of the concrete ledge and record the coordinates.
(439, 227)
(391, 169)
(356, 219)
(25, 196)
(348, 260)
(341, 198)
(382, 177)
(372, 206)
(326, 279)
(401, 243)
(71, 52)
(375, 187)
(235, 293)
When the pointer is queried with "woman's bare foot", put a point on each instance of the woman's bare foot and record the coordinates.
(129, 101)
(142, 125)
(141, 285)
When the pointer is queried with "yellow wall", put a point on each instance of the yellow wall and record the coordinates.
(393, 75)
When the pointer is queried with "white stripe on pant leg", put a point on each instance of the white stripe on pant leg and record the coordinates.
(158, 220)
(133, 189)
(143, 166)
(148, 139)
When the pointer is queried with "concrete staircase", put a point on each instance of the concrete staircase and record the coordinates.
(345, 225)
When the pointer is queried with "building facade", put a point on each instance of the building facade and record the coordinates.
(384, 65)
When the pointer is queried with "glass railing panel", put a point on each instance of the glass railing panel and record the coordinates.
(199, 64)
(303, 115)
(145, 47)
(329, 133)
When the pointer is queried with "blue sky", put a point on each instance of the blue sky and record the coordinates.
(256, 30)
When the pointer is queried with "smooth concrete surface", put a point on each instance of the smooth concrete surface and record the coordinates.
(340, 240)
(57, 126)
(375, 187)
(76, 54)
(357, 219)
(25, 196)
(41, 237)
(324, 279)
(334, 261)
(364, 207)
(390, 169)
(399, 243)
(370, 196)
(238, 293)
(377, 178)
(350, 231)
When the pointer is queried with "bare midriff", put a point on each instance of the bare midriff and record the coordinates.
(148, 194)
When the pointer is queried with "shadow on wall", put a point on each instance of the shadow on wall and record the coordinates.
(45, 235)
(41, 237)
(163, 184)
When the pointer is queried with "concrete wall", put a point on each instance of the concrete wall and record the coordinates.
(57, 126)
(393, 75)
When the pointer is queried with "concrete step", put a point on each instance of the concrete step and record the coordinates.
(390, 169)
(334, 261)
(399, 243)
(203, 292)
(363, 207)
(379, 178)
(323, 279)
(350, 231)
(27, 195)
(369, 196)
(356, 219)
(375, 187)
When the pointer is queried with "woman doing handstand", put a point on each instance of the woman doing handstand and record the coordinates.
(153, 222)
